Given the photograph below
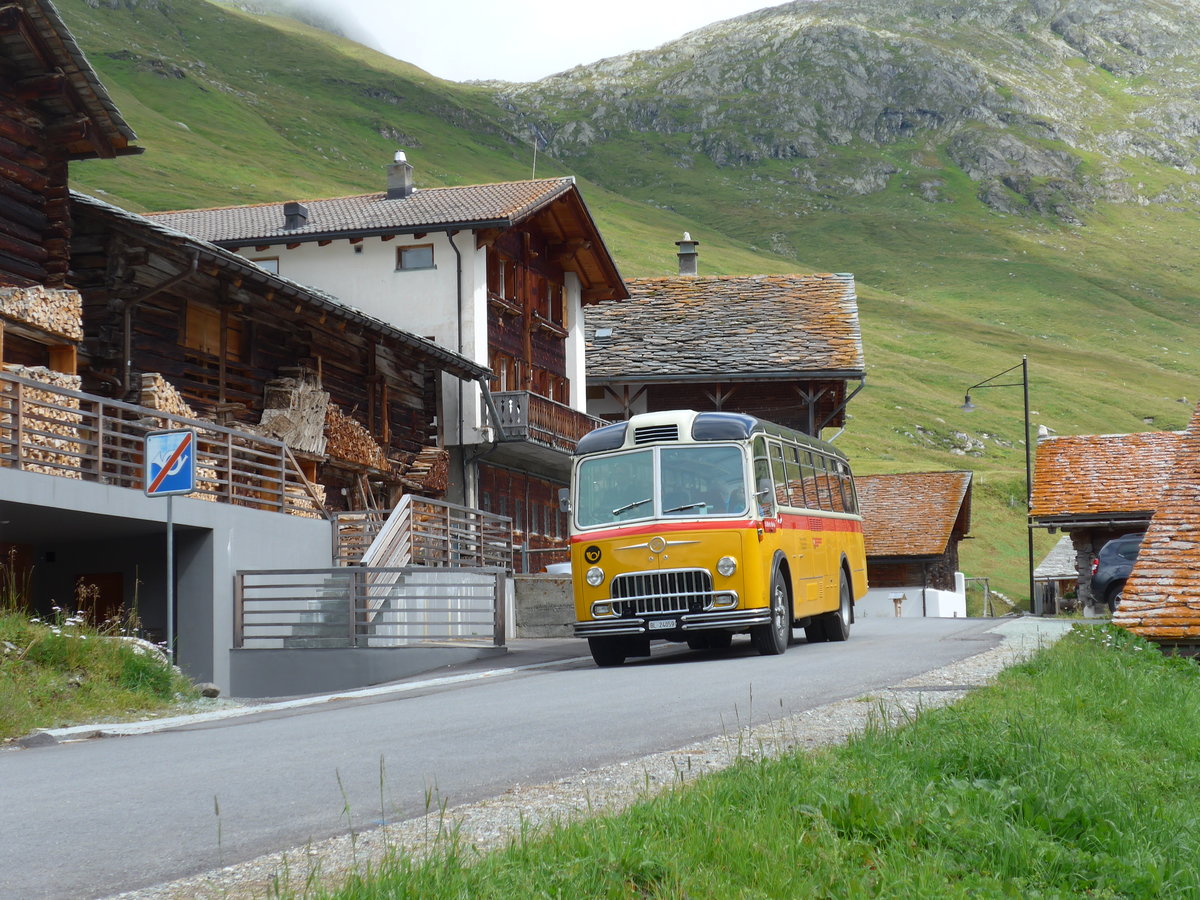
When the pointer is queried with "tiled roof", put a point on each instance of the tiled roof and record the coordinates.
(499, 204)
(914, 513)
(446, 359)
(1162, 596)
(773, 325)
(1102, 475)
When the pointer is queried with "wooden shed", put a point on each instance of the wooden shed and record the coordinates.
(1098, 487)
(1161, 601)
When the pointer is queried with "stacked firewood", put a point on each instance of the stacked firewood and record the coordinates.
(295, 412)
(158, 393)
(58, 312)
(429, 472)
(49, 423)
(348, 440)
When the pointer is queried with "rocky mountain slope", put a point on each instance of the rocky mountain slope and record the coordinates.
(1048, 106)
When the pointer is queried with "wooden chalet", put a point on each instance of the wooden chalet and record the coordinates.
(1098, 487)
(354, 397)
(912, 525)
(501, 272)
(53, 110)
(787, 348)
(1161, 600)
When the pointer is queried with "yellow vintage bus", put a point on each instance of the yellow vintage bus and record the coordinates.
(694, 527)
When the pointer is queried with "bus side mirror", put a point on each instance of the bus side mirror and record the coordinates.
(564, 500)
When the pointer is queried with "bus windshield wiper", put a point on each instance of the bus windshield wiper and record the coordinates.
(629, 506)
(685, 506)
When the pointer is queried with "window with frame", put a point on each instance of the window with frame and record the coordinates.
(204, 328)
(268, 263)
(416, 256)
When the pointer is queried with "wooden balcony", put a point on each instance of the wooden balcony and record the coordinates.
(525, 416)
(52, 430)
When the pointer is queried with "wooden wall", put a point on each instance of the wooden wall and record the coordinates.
(34, 218)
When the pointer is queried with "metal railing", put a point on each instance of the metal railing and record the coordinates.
(56, 431)
(424, 532)
(359, 607)
(532, 417)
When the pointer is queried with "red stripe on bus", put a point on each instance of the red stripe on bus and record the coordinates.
(788, 521)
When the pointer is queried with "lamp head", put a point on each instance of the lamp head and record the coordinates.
(967, 406)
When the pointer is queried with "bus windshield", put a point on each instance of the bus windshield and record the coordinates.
(692, 481)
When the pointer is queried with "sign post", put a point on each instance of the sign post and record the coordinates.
(170, 469)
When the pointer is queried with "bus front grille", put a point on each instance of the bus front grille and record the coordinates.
(676, 591)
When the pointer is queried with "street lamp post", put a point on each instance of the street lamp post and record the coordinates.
(968, 406)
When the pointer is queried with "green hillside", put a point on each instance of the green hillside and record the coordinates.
(1027, 229)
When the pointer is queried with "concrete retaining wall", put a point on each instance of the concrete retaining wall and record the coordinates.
(544, 606)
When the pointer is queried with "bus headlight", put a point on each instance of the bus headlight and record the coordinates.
(595, 576)
(726, 565)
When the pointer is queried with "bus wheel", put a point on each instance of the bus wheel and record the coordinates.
(837, 624)
(608, 651)
(773, 638)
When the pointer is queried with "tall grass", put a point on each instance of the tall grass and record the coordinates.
(1072, 776)
(63, 672)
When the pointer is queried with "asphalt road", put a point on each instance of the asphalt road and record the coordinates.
(94, 818)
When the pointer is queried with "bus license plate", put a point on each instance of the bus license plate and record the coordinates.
(661, 624)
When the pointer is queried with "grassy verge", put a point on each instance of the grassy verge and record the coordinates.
(64, 672)
(1069, 777)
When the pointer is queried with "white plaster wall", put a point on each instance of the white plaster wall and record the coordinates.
(576, 373)
(937, 604)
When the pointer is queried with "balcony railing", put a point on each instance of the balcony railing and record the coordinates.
(55, 431)
(424, 532)
(532, 417)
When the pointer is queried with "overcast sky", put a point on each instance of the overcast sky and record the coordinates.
(524, 40)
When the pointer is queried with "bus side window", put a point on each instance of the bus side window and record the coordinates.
(764, 493)
(777, 470)
(795, 477)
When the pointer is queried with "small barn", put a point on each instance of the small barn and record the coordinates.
(1161, 601)
(1095, 487)
(912, 525)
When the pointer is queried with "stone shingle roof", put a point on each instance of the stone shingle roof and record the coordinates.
(1162, 596)
(498, 205)
(767, 325)
(1059, 563)
(445, 359)
(914, 513)
(1119, 475)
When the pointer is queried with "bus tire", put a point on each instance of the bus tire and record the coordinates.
(608, 651)
(837, 623)
(773, 638)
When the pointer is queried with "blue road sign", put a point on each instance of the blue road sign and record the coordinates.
(170, 462)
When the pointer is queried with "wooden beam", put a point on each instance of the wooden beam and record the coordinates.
(41, 87)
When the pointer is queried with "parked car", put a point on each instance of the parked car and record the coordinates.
(1112, 567)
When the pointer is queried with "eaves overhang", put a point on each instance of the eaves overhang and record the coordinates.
(346, 234)
(772, 375)
(1116, 520)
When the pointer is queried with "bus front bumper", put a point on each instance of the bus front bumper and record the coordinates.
(668, 624)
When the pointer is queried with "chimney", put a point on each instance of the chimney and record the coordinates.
(687, 254)
(399, 178)
(295, 215)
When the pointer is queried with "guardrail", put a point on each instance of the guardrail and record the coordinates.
(425, 532)
(56, 431)
(361, 607)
